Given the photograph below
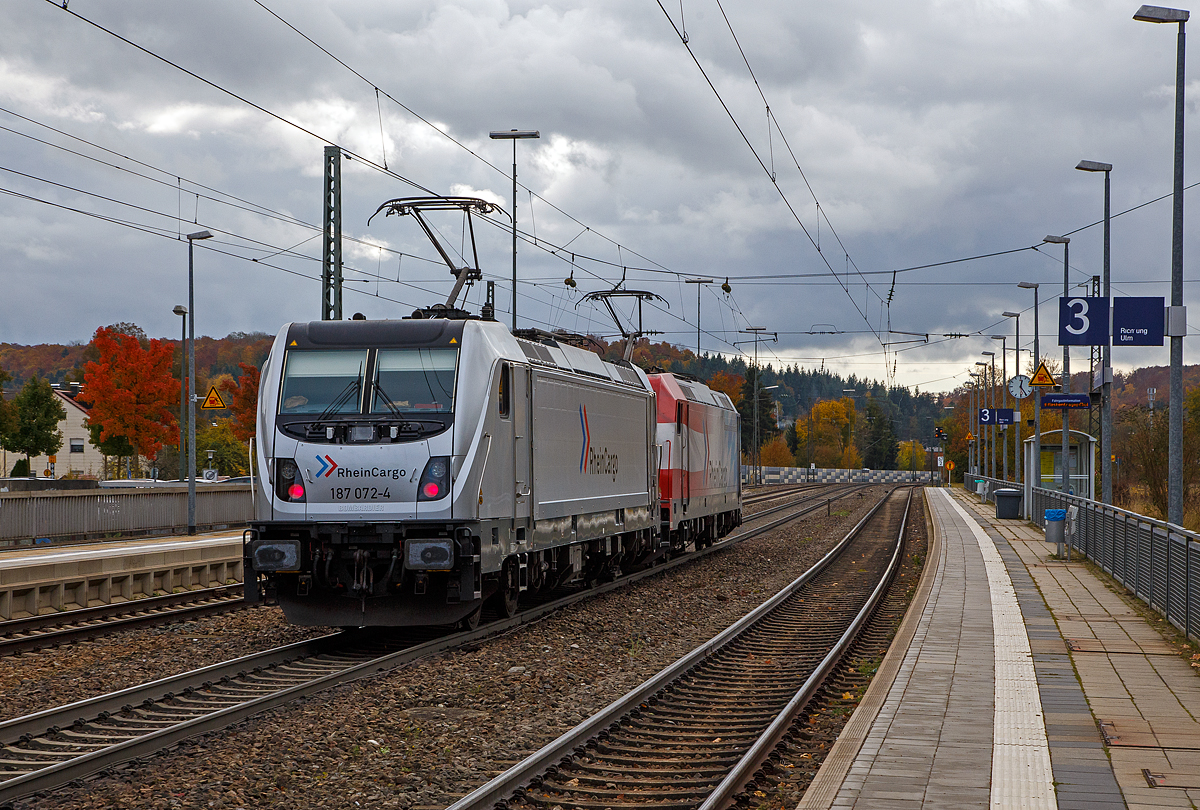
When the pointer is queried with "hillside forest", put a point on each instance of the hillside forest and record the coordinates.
(806, 416)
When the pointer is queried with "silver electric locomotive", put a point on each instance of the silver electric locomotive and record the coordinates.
(409, 470)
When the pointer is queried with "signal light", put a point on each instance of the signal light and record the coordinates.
(295, 492)
(430, 490)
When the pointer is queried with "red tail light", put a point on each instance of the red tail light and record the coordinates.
(431, 490)
(295, 492)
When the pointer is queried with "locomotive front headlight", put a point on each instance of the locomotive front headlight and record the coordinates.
(435, 480)
(289, 483)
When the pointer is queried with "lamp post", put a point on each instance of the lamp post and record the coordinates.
(980, 403)
(973, 446)
(699, 282)
(1003, 393)
(1037, 402)
(182, 312)
(192, 238)
(1065, 476)
(1019, 416)
(1177, 320)
(757, 332)
(991, 404)
(1106, 356)
(514, 135)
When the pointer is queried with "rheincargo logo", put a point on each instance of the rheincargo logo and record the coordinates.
(371, 472)
(595, 461)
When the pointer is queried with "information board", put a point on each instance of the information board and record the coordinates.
(996, 416)
(1138, 321)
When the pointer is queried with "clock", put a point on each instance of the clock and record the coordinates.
(1019, 386)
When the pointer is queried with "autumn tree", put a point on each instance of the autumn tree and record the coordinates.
(130, 391)
(7, 412)
(911, 455)
(229, 454)
(775, 453)
(242, 400)
(824, 436)
(34, 430)
(728, 384)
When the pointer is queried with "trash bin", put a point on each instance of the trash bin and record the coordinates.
(1008, 504)
(1056, 524)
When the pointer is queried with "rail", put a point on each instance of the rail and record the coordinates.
(26, 517)
(1156, 561)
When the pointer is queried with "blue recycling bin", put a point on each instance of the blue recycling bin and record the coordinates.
(1056, 527)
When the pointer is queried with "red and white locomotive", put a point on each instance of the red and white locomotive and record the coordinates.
(699, 453)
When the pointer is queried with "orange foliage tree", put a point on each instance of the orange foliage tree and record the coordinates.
(730, 384)
(775, 453)
(131, 392)
(243, 401)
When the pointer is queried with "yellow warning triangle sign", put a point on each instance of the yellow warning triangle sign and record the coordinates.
(213, 401)
(970, 437)
(1042, 376)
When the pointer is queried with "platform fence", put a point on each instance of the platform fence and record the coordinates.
(28, 517)
(1156, 561)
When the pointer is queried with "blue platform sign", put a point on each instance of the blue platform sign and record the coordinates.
(996, 416)
(1066, 401)
(1082, 321)
(1138, 321)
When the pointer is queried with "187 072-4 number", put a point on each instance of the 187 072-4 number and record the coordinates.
(359, 493)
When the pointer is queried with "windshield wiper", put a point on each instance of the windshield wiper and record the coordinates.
(352, 387)
(387, 399)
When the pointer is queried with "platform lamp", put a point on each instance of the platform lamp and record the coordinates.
(1065, 477)
(1106, 354)
(1037, 400)
(1017, 366)
(981, 402)
(182, 312)
(992, 405)
(192, 239)
(514, 135)
(1177, 319)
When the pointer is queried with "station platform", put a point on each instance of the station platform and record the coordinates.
(1017, 680)
(43, 579)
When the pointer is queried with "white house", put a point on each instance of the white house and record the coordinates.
(77, 454)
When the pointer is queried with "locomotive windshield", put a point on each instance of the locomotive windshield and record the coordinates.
(414, 380)
(323, 382)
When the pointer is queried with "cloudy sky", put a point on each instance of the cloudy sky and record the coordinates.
(926, 132)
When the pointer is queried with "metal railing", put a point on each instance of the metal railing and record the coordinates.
(91, 514)
(1156, 561)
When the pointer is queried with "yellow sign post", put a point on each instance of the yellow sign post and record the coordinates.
(213, 401)
(1042, 377)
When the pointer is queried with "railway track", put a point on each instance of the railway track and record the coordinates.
(45, 750)
(49, 630)
(697, 733)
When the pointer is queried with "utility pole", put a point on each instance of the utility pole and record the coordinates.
(699, 282)
(331, 236)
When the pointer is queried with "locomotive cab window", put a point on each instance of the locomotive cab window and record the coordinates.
(321, 381)
(415, 380)
(505, 387)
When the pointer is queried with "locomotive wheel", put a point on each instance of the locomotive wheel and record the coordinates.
(471, 620)
(509, 592)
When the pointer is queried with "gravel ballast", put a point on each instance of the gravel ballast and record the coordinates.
(422, 736)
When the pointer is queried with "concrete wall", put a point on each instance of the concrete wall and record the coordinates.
(800, 475)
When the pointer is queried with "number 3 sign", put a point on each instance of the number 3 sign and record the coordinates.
(1082, 321)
